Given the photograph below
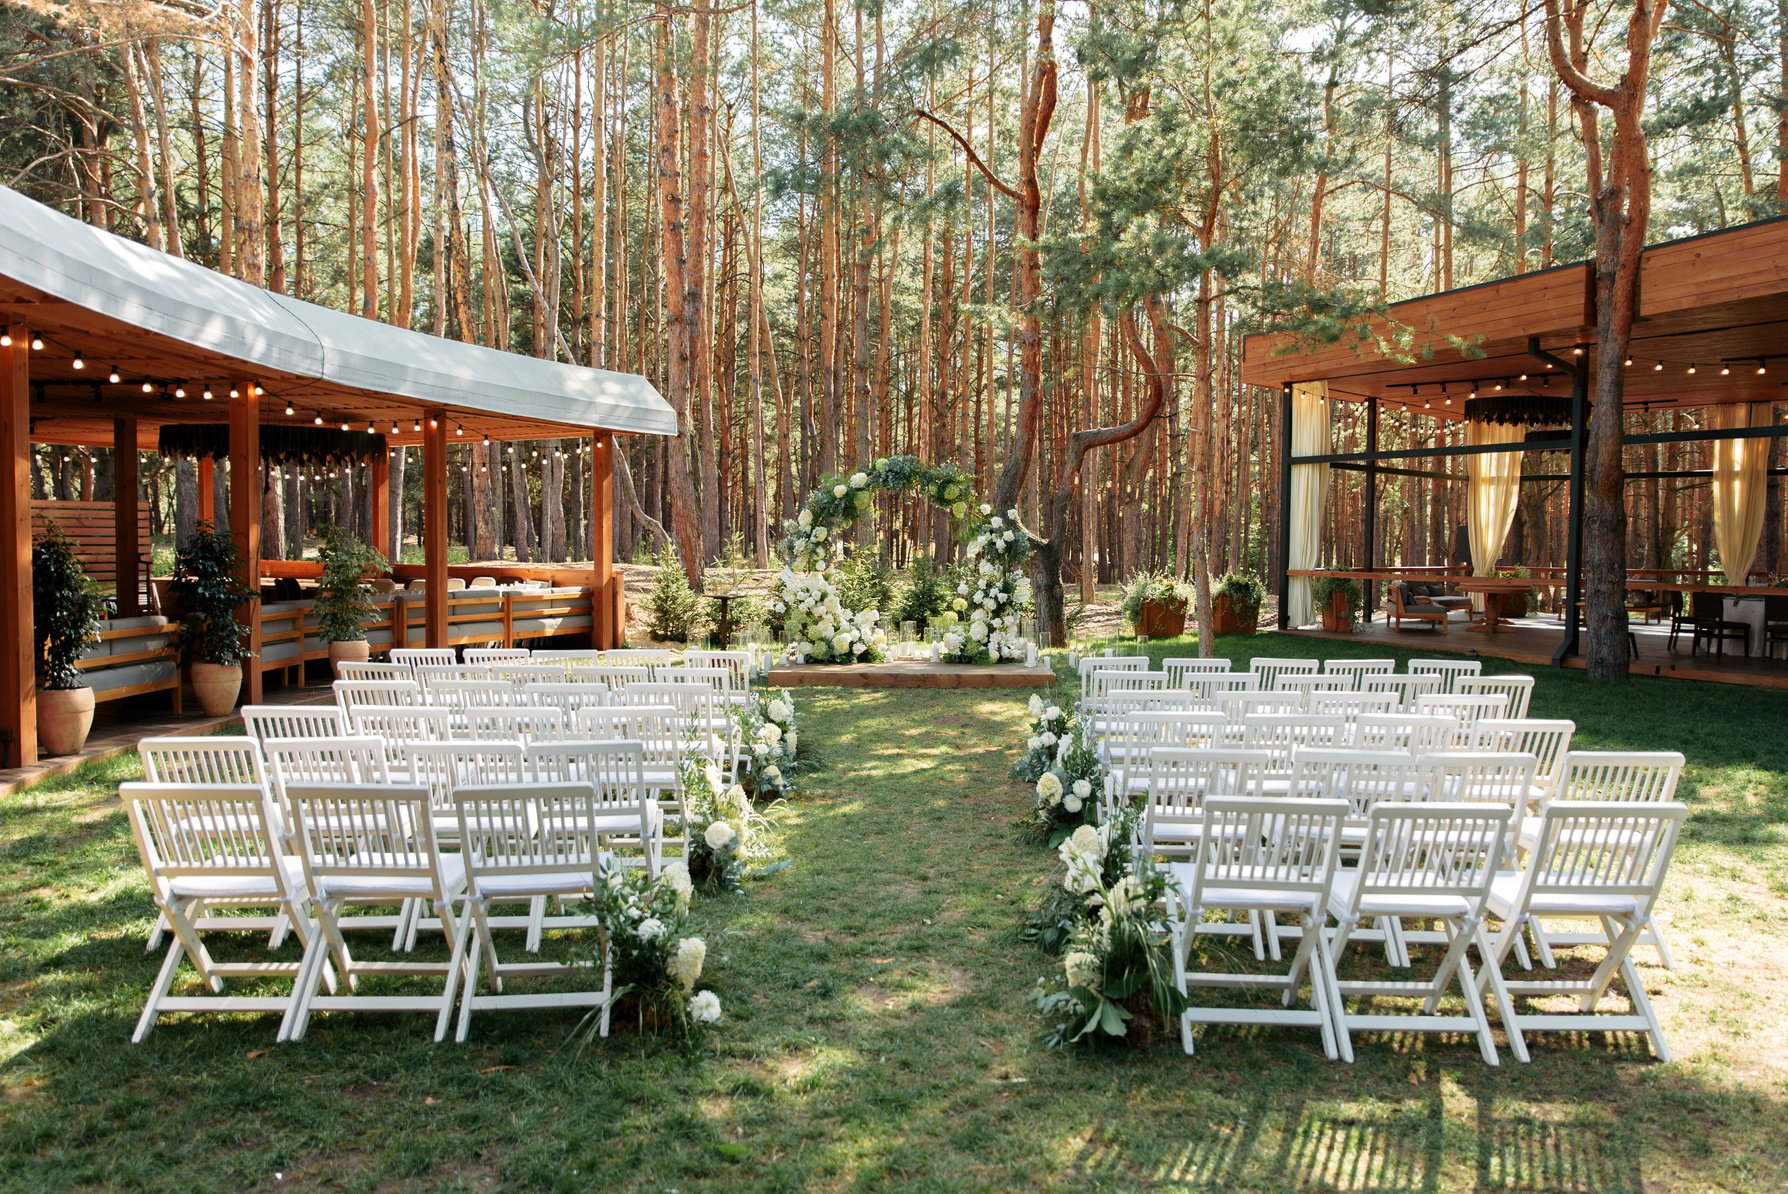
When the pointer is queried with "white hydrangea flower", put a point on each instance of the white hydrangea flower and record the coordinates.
(719, 835)
(806, 519)
(677, 876)
(839, 490)
(686, 961)
(779, 711)
(704, 1007)
(770, 732)
(773, 773)
(1082, 969)
(1083, 788)
(1053, 713)
(1049, 788)
(1047, 737)
(650, 929)
(1071, 802)
(859, 480)
(1033, 742)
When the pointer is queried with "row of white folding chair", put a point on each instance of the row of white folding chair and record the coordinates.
(1278, 856)
(215, 846)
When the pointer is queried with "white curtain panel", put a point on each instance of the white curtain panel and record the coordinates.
(1740, 485)
(1494, 491)
(1309, 489)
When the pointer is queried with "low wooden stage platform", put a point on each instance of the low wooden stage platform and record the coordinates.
(1532, 640)
(912, 674)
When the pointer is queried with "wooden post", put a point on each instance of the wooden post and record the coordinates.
(379, 534)
(245, 521)
(607, 633)
(18, 676)
(208, 490)
(124, 515)
(434, 526)
(1284, 507)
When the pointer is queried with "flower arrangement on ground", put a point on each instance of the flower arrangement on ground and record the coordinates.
(725, 831)
(1116, 950)
(992, 593)
(772, 747)
(821, 629)
(656, 962)
(1062, 765)
(1050, 725)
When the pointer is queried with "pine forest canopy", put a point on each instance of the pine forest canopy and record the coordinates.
(1024, 238)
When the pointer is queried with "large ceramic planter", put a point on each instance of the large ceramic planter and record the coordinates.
(64, 717)
(1161, 620)
(1224, 619)
(216, 685)
(358, 651)
(1335, 617)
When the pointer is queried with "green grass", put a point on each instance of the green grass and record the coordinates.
(878, 1034)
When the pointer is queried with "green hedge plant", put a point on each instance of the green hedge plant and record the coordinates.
(344, 602)
(67, 610)
(207, 593)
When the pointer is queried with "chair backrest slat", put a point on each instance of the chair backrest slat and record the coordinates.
(202, 760)
(265, 722)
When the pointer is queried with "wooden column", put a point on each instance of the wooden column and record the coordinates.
(434, 525)
(245, 521)
(602, 541)
(208, 490)
(380, 532)
(18, 676)
(125, 510)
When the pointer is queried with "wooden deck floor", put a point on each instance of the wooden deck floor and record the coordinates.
(1533, 640)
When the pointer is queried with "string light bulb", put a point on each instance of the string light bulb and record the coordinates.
(459, 431)
(1725, 370)
(179, 389)
(1691, 370)
(5, 339)
(344, 424)
(1762, 368)
(289, 409)
(318, 420)
(487, 440)
(113, 376)
(1658, 368)
(36, 343)
(78, 363)
(395, 429)
(416, 426)
(1628, 362)
(148, 389)
(1577, 351)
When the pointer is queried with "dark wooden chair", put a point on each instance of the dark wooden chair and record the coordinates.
(1775, 624)
(1713, 627)
(1680, 618)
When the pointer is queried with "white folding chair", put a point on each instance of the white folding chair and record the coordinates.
(556, 859)
(1214, 686)
(1468, 710)
(1485, 777)
(1424, 862)
(1108, 663)
(210, 848)
(523, 674)
(1351, 704)
(1313, 685)
(350, 669)
(1134, 739)
(567, 697)
(1239, 706)
(339, 760)
(365, 845)
(1519, 690)
(464, 695)
(1356, 669)
(614, 677)
(524, 725)
(1265, 856)
(397, 725)
(433, 675)
(1593, 860)
(497, 654)
(648, 657)
(567, 659)
(420, 657)
(739, 663)
(1176, 782)
(1268, 668)
(1180, 668)
(1450, 671)
(1416, 733)
(1546, 740)
(354, 694)
(265, 722)
(1282, 734)
(659, 731)
(1407, 687)
(625, 814)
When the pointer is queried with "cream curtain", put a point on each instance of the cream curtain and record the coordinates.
(1494, 491)
(1309, 489)
(1740, 485)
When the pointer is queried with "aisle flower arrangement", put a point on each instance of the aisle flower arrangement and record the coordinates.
(992, 593)
(1050, 725)
(657, 963)
(725, 831)
(772, 747)
(806, 607)
(1116, 952)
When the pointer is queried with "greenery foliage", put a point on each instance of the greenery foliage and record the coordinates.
(207, 593)
(66, 609)
(1145, 587)
(1246, 594)
(657, 962)
(924, 596)
(673, 609)
(343, 602)
(864, 581)
(1353, 597)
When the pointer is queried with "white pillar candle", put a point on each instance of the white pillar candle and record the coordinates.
(1074, 659)
(1030, 655)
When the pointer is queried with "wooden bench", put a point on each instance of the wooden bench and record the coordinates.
(1396, 612)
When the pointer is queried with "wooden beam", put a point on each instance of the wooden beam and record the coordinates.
(208, 488)
(380, 536)
(602, 541)
(245, 522)
(125, 503)
(434, 525)
(18, 676)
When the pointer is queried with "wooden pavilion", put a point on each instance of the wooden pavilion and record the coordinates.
(1515, 360)
(103, 342)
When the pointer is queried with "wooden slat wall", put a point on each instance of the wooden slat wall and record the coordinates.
(90, 525)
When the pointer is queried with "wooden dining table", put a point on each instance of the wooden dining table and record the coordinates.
(1493, 589)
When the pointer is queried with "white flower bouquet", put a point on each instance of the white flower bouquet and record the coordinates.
(657, 962)
(767, 728)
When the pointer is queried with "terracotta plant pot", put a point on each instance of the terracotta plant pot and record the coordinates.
(357, 651)
(1334, 615)
(64, 717)
(216, 685)
(1160, 620)
(1224, 619)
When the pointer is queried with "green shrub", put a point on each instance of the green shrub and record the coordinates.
(1353, 597)
(924, 596)
(66, 610)
(1245, 595)
(207, 593)
(343, 602)
(863, 582)
(1152, 586)
(673, 610)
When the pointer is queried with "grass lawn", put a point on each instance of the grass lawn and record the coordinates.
(878, 1033)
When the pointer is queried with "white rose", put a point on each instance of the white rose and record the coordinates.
(1083, 788)
(839, 490)
(986, 509)
(686, 961)
(998, 521)
(806, 519)
(779, 711)
(719, 835)
(704, 1008)
(650, 929)
(859, 480)
(771, 733)
(772, 774)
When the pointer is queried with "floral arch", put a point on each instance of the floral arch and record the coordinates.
(992, 591)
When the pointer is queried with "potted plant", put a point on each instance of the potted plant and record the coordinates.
(1339, 600)
(67, 611)
(1155, 605)
(207, 593)
(344, 601)
(1517, 603)
(1235, 604)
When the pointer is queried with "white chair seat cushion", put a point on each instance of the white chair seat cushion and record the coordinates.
(1505, 889)
(1403, 903)
(502, 887)
(359, 887)
(1243, 898)
(237, 887)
